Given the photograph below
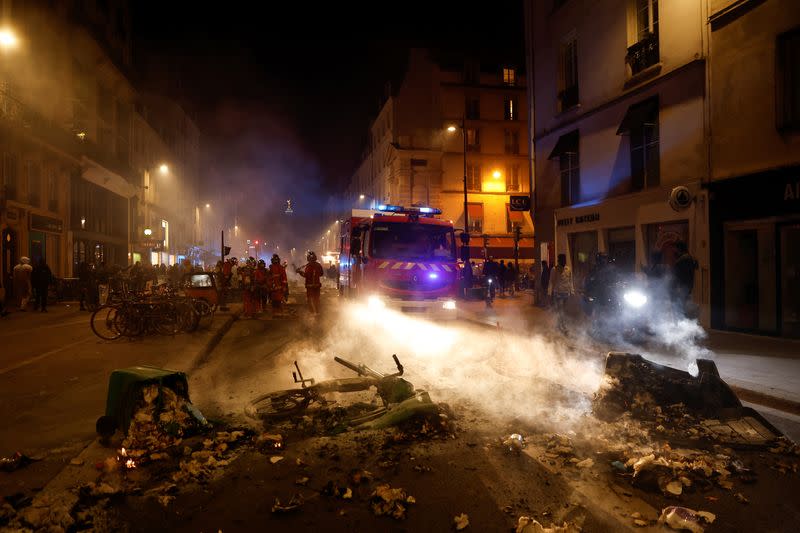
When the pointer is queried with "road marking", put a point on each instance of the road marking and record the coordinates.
(39, 357)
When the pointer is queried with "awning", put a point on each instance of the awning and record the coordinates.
(475, 211)
(567, 143)
(638, 114)
(515, 216)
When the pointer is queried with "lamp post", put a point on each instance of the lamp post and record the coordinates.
(465, 235)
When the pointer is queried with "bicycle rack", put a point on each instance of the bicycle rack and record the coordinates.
(302, 381)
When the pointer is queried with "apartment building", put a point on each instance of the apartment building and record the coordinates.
(449, 118)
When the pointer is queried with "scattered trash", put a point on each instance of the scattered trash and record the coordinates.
(461, 521)
(618, 465)
(741, 498)
(295, 503)
(269, 441)
(388, 501)
(640, 523)
(276, 459)
(359, 476)
(348, 494)
(675, 487)
(15, 462)
(514, 443)
(301, 481)
(684, 518)
(586, 463)
(526, 524)
(76, 461)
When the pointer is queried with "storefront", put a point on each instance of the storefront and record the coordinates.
(635, 230)
(755, 253)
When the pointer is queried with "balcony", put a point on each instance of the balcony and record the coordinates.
(643, 54)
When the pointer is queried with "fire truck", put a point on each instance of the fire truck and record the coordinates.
(401, 258)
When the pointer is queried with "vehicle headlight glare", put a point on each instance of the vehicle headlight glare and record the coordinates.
(450, 305)
(635, 299)
(374, 302)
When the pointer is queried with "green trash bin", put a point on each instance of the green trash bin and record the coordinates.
(125, 389)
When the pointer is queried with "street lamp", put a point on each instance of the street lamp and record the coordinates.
(148, 232)
(208, 205)
(163, 168)
(7, 39)
(360, 196)
(465, 236)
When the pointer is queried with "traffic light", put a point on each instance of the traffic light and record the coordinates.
(227, 251)
(485, 241)
(517, 232)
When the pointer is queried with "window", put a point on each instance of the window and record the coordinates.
(788, 82)
(52, 191)
(10, 164)
(473, 140)
(567, 153)
(475, 212)
(473, 177)
(644, 52)
(509, 76)
(512, 178)
(583, 248)
(514, 219)
(641, 123)
(510, 109)
(33, 175)
(472, 72)
(473, 108)
(511, 141)
(412, 241)
(568, 80)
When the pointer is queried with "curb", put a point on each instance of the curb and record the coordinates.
(205, 351)
(767, 400)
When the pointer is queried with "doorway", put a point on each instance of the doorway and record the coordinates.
(789, 236)
(741, 285)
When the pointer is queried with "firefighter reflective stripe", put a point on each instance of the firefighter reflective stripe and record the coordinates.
(402, 265)
(421, 266)
(396, 266)
(409, 266)
(434, 267)
(446, 268)
(384, 264)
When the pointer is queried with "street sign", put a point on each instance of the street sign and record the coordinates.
(520, 203)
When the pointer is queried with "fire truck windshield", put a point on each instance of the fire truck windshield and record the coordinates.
(413, 241)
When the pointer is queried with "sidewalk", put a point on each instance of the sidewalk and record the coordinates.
(764, 370)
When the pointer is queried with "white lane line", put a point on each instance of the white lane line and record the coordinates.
(39, 357)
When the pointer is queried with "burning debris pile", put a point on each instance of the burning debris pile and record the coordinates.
(160, 421)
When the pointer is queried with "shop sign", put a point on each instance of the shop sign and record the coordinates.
(12, 215)
(520, 203)
(48, 224)
(791, 192)
(580, 219)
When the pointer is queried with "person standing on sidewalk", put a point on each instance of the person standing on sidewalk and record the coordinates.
(41, 278)
(561, 288)
(278, 285)
(312, 272)
(544, 285)
(22, 282)
(683, 278)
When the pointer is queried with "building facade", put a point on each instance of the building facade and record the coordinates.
(72, 178)
(620, 121)
(448, 117)
(660, 121)
(754, 77)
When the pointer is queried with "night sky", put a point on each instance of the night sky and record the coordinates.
(289, 92)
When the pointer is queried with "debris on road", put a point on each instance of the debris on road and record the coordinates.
(388, 501)
(269, 442)
(526, 524)
(15, 462)
(684, 518)
(275, 459)
(294, 504)
(461, 521)
(514, 443)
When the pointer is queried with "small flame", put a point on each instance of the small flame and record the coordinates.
(123, 453)
(130, 464)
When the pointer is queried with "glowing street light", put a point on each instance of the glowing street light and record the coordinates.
(208, 205)
(451, 128)
(496, 174)
(148, 232)
(164, 169)
(7, 39)
(360, 196)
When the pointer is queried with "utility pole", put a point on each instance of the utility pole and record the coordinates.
(224, 303)
(465, 235)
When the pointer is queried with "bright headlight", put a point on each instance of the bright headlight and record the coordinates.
(375, 302)
(635, 299)
(449, 304)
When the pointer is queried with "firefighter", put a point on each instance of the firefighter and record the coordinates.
(278, 285)
(313, 273)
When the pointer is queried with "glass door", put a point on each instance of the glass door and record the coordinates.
(741, 279)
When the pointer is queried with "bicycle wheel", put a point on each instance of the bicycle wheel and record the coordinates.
(278, 404)
(129, 322)
(166, 319)
(103, 323)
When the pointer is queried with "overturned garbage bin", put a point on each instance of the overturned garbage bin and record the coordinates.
(125, 390)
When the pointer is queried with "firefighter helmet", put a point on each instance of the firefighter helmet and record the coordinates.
(275, 259)
(311, 256)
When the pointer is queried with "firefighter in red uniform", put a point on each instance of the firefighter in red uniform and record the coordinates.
(313, 274)
(278, 285)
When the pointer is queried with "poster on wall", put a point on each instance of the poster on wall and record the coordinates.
(661, 241)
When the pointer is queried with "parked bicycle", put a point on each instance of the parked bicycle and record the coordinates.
(391, 389)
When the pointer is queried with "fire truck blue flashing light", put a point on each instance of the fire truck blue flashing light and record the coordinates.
(400, 209)
(433, 275)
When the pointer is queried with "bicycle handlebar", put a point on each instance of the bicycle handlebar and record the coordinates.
(364, 370)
